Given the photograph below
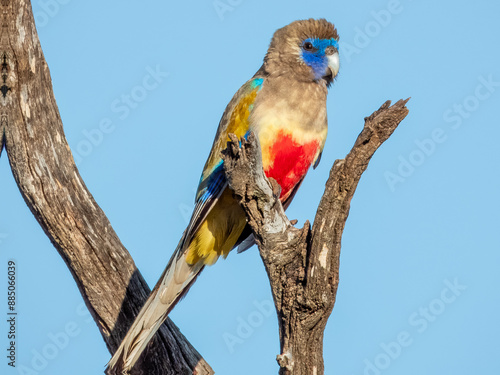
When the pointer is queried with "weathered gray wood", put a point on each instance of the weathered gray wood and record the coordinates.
(303, 264)
(43, 167)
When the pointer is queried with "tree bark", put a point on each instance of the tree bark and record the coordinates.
(303, 264)
(42, 164)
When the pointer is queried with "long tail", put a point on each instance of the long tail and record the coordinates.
(173, 284)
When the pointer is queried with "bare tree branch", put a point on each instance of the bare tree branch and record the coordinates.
(303, 264)
(43, 167)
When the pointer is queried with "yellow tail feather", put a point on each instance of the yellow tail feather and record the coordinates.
(218, 233)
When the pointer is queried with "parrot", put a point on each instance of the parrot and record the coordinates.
(284, 105)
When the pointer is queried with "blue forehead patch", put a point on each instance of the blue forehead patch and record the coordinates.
(322, 44)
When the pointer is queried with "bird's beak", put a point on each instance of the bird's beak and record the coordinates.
(332, 69)
(334, 63)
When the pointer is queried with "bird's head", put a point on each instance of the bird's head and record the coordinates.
(308, 50)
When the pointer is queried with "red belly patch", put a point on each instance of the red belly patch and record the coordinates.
(289, 161)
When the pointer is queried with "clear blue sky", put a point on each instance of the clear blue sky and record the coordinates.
(420, 254)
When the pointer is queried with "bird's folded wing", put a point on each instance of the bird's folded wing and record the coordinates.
(213, 181)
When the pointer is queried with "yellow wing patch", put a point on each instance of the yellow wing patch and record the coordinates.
(238, 124)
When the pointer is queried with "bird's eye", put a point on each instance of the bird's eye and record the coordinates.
(308, 46)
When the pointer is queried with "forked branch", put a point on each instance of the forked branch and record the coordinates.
(303, 264)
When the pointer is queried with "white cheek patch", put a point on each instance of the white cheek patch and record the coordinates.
(334, 63)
